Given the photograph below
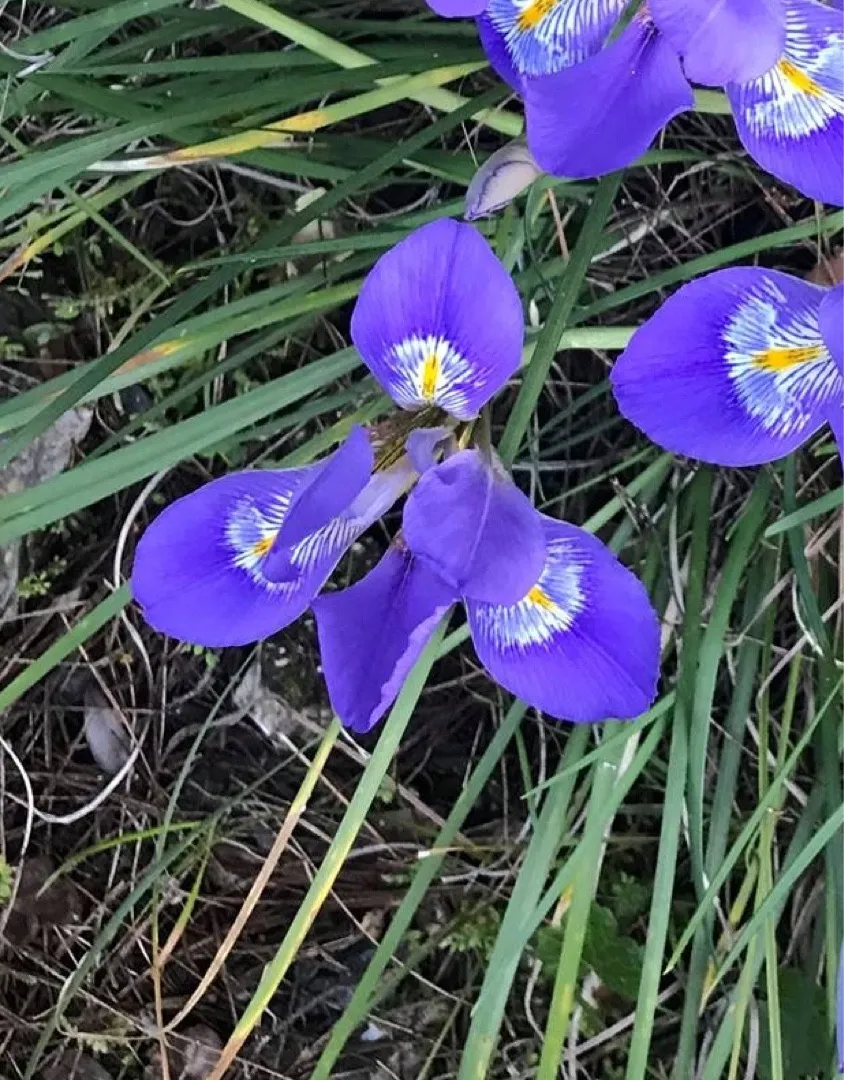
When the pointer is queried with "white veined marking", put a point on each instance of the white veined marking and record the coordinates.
(429, 370)
(545, 36)
(781, 401)
(803, 91)
(549, 609)
(250, 529)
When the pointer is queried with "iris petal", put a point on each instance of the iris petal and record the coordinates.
(371, 634)
(439, 321)
(201, 568)
(539, 37)
(456, 9)
(791, 119)
(197, 572)
(723, 41)
(732, 369)
(475, 529)
(583, 644)
(831, 320)
(424, 446)
(503, 176)
(601, 115)
(331, 487)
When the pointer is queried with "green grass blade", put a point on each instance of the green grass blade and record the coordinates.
(367, 990)
(749, 830)
(577, 917)
(365, 792)
(700, 495)
(85, 628)
(543, 846)
(709, 659)
(558, 317)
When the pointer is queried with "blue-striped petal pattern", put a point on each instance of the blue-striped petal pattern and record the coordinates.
(583, 644)
(525, 38)
(791, 119)
(200, 570)
(732, 369)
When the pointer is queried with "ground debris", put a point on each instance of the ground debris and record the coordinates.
(270, 713)
(44, 457)
(39, 901)
(75, 1066)
(105, 733)
(191, 1055)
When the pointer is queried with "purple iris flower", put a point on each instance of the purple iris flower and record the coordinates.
(242, 557)
(739, 367)
(594, 105)
(554, 616)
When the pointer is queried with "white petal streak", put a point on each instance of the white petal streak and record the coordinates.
(550, 608)
(249, 532)
(430, 370)
(545, 36)
(777, 360)
(804, 91)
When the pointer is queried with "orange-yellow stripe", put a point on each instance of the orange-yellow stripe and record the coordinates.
(540, 599)
(261, 547)
(533, 13)
(783, 359)
(799, 79)
(430, 376)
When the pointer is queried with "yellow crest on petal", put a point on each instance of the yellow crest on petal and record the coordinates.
(782, 359)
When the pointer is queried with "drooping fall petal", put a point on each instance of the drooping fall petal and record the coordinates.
(791, 119)
(732, 369)
(603, 114)
(370, 635)
(583, 643)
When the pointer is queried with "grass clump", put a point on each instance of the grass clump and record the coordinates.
(190, 197)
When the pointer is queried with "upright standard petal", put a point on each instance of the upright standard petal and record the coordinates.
(526, 38)
(723, 41)
(583, 644)
(198, 567)
(732, 369)
(475, 529)
(603, 114)
(330, 488)
(371, 634)
(439, 321)
(791, 119)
